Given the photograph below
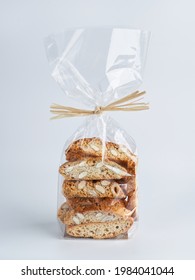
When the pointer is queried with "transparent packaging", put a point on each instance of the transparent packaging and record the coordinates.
(97, 191)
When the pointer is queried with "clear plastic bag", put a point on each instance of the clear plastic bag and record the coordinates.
(97, 192)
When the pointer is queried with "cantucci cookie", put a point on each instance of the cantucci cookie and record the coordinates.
(100, 230)
(94, 211)
(87, 204)
(101, 188)
(92, 169)
(93, 147)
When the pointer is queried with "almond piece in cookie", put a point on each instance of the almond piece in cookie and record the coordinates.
(100, 189)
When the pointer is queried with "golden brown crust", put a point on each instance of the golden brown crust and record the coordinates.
(100, 204)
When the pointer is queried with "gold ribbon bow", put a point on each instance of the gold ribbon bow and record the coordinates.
(122, 104)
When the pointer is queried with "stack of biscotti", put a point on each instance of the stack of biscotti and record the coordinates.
(100, 189)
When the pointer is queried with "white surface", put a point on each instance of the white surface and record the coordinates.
(31, 145)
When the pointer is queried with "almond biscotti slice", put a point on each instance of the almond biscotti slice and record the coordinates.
(81, 211)
(92, 169)
(100, 188)
(93, 147)
(100, 230)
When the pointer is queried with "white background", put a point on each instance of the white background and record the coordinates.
(30, 145)
(183, 269)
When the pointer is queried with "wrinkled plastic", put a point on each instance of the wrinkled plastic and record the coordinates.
(97, 192)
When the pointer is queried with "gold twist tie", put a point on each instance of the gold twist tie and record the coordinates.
(122, 104)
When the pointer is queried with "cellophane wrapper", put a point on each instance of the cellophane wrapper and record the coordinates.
(97, 186)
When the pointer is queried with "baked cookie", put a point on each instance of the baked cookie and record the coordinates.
(82, 211)
(87, 204)
(100, 230)
(92, 169)
(101, 188)
(94, 147)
